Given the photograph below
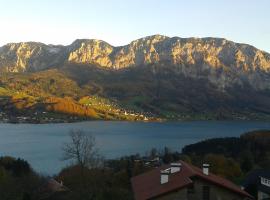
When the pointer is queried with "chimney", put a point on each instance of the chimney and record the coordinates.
(175, 167)
(206, 169)
(164, 176)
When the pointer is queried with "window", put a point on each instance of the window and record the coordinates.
(205, 192)
(265, 181)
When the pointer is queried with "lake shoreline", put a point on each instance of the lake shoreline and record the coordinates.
(160, 120)
(41, 144)
(86, 120)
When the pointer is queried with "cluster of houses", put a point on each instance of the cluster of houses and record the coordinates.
(114, 108)
(134, 114)
(35, 117)
(3, 117)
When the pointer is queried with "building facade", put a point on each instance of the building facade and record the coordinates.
(257, 183)
(181, 181)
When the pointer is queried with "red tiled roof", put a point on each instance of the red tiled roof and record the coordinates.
(147, 185)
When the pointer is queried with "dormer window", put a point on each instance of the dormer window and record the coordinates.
(265, 181)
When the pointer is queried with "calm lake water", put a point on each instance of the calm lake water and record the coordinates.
(41, 144)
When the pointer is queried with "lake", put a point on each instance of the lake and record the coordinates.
(41, 144)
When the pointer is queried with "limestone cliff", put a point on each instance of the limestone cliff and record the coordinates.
(221, 61)
(90, 52)
(30, 56)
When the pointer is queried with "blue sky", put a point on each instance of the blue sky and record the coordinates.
(121, 21)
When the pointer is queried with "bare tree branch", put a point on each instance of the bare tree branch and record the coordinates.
(82, 149)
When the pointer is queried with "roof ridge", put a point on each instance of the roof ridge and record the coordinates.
(214, 179)
(188, 166)
(151, 181)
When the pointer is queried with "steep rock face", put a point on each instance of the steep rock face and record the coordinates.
(222, 62)
(30, 56)
(90, 52)
(215, 52)
(139, 52)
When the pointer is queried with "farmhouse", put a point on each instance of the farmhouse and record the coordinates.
(186, 182)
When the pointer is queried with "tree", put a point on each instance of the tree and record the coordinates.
(82, 149)
(167, 157)
(153, 153)
(223, 166)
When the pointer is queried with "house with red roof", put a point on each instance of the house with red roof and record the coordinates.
(182, 181)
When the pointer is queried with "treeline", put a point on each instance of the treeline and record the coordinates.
(247, 152)
(17, 180)
(69, 106)
(66, 105)
(112, 179)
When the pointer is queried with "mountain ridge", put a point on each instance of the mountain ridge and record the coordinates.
(224, 61)
(152, 39)
(149, 36)
(179, 78)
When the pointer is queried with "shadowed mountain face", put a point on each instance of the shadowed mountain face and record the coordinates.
(155, 73)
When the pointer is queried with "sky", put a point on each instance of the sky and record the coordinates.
(118, 22)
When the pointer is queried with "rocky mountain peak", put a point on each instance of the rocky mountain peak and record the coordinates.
(149, 40)
(29, 56)
(90, 52)
(221, 61)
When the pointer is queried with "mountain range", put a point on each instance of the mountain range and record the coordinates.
(175, 78)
